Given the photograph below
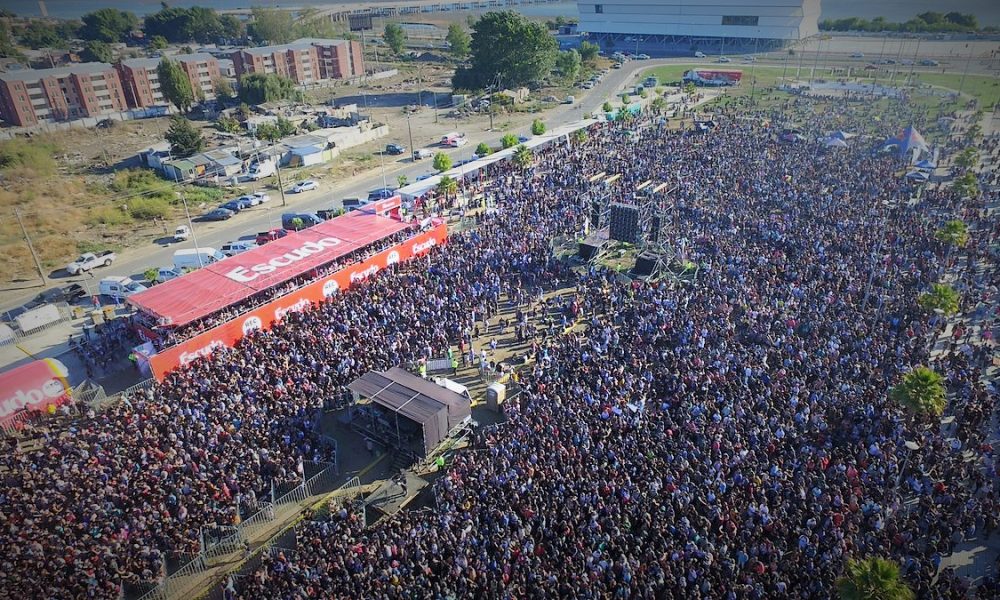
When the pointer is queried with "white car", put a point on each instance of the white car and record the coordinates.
(304, 186)
(858, 55)
(182, 233)
(749, 58)
(254, 199)
(724, 59)
(642, 57)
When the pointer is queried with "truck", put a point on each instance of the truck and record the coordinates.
(260, 170)
(89, 260)
(119, 287)
(190, 259)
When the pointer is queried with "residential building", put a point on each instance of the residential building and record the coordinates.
(305, 61)
(141, 82)
(141, 79)
(688, 22)
(34, 96)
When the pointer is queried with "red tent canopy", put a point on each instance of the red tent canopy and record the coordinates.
(216, 286)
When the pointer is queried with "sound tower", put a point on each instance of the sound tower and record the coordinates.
(624, 223)
(654, 229)
(645, 264)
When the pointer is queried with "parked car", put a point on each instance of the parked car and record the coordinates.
(354, 204)
(395, 149)
(424, 176)
(304, 186)
(182, 233)
(699, 54)
(89, 260)
(723, 59)
(380, 194)
(166, 274)
(237, 247)
(569, 100)
(749, 58)
(929, 63)
(858, 55)
(422, 153)
(57, 294)
(235, 205)
(270, 235)
(521, 139)
(642, 57)
(255, 198)
(219, 214)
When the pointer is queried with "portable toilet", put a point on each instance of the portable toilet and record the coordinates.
(496, 395)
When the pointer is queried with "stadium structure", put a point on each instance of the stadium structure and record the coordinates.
(700, 24)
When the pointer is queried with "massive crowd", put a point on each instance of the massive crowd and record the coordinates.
(728, 437)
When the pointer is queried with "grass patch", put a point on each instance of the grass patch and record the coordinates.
(95, 246)
(984, 88)
(21, 158)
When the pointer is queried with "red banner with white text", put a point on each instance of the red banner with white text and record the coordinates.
(227, 334)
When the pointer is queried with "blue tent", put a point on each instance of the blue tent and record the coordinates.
(906, 140)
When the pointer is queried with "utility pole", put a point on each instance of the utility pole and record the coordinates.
(410, 131)
(968, 62)
(31, 248)
(277, 173)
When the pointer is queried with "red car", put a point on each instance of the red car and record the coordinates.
(269, 236)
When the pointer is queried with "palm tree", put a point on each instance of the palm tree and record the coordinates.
(872, 579)
(523, 157)
(941, 297)
(580, 136)
(447, 186)
(921, 392)
(954, 233)
(402, 181)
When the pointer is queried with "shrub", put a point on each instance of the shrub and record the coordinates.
(108, 215)
(146, 209)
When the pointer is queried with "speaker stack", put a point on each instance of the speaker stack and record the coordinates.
(624, 223)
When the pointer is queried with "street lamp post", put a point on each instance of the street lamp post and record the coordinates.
(410, 131)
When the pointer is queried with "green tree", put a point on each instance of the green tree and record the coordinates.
(580, 136)
(589, 52)
(232, 27)
(39, 34)
(442, 162)
(460, 40)
(223, 89)
(447, 186)
(523, 157)
(228, 125)
(872, 579)
(401, 181)
(690, 89)
(313, 25)
(152, 274)
(921, 392)
(966, 186)
(268, 132)
(537, 127)
(172, 23)
(8, 49)
(108, 25)
(626, 99)
(508, 48)
(483, 149)
(568, 63)
(258, 88)
(96, 51)
(270, 25)
(175, 85)
(659, 104)
(184, 138)
(394, 37)
(157, 42)
(606, 107)
(941, 297)
(508, 141)
(954, 233)
(285, 127)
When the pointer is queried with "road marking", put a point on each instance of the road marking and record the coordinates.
(21, 348)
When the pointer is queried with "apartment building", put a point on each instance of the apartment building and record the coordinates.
(305, 61)
(34, 96)
(141, 81)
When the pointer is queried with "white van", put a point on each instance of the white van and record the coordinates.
(119, 287)
(699, 55)
(261, 170)
(195, 258)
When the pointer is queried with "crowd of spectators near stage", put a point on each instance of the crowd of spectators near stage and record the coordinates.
(728, 436)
